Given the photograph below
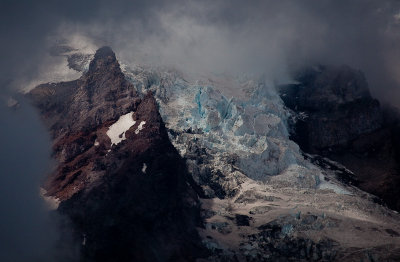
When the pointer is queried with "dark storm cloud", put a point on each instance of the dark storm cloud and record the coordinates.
(265, 36)
(25, 25)
(270, 37)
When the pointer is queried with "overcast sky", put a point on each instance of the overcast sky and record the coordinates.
(269, 37)
(254, 36)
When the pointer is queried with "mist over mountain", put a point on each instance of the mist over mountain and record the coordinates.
(29, 233)
(199, 130)
(264, 36)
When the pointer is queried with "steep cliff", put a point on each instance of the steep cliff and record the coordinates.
(156, 166)
(336, 117)
(120, 181)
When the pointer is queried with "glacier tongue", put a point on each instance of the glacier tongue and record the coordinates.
(246, 134)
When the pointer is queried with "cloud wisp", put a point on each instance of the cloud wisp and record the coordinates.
(267, 37)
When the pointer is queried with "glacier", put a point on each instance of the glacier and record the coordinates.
(248, 177)
(250, 127)
(231, 117)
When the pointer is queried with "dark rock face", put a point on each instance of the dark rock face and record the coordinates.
(282, 240)
(131, 214)
(78, 61)
(127, 202)
(278, 247)
(336, 107)
(101, 95)
(242, 220)
(337, 118)
(277, 241)
(134, 200)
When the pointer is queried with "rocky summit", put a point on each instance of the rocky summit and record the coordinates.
(155, 165)
(337, 118)
(127, 201)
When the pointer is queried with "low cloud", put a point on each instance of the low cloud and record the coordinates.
(267, 37)
(28, 230)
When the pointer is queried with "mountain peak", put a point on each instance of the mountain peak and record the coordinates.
(105, 51)
(104, 59)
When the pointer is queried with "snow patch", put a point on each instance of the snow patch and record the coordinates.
(84, 240)
(96, 143)
(144, 168)
(116, 132)
(140, 127)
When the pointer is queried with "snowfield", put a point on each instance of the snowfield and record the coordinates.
(116, 132)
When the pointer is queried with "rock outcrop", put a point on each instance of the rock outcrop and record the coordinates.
(130, 201)
(336, 117)
(155, 167)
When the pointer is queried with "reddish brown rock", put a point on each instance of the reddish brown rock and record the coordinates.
(127, 202)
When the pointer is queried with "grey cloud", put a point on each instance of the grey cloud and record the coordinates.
(265, 36)
(28, 232)
(258, 36)
(270, 37)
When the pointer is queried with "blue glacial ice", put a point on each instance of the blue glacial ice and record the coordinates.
(252, 126)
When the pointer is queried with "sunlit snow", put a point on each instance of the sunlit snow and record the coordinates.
(116, 132)
(144, 168)
(140, 127)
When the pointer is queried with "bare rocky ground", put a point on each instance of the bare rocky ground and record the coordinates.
(340, 120)
(282, 224)
(204, 173)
